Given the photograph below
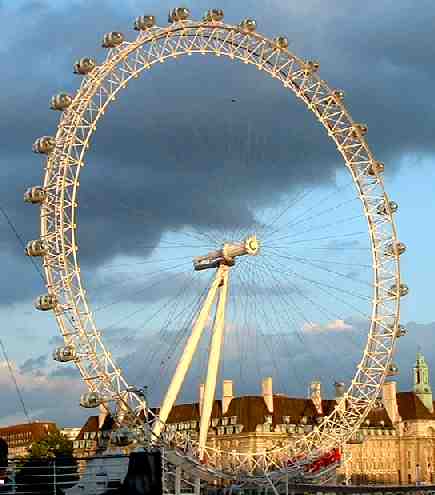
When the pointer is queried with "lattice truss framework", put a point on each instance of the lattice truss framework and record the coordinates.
(58, 228)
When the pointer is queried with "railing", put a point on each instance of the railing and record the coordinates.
(104, 475)
(54, 477)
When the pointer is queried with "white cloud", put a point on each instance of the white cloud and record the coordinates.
(334, 326)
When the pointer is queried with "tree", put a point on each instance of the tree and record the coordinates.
(50, 466)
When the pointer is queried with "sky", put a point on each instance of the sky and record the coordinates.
(203, 148)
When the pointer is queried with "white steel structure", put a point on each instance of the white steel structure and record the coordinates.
(58, 244)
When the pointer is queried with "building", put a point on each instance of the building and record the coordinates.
(94, 435)
(395, 444)
(21, 437)
(70, 432)
(407, 454)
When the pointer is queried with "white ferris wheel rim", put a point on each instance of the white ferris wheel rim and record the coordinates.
(62, 269)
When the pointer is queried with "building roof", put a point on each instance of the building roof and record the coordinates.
(411, 407)
(36, 429)
(251, 410)
(92, 425)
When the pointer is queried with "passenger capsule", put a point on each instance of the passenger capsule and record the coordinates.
(34, 195)
(44, 145)
(122, 437)
(383, 210)
(36, 248)
(179, 14)
(60, 101)
(144, 22)
(89, 400)
(84, 66)
(392, 370)
(359, 129)
(112, 39)
(395, 248)
(248, 25)
(46, 302)
(281, 42)
(338, 94)
(214, 15)
(375, 168)
(402, 290)
(311, 67)
(65, 354)
(401, 331)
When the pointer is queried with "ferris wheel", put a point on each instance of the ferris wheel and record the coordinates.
(263, 253)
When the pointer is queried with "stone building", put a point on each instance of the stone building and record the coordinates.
(405, 454)
(395, 444)
(94, 435)
(21, 437)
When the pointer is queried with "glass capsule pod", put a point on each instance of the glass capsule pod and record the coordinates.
(359, 129)
(402, 290)
(214, 15)
(310, 67)
(46, 302)
(337, 94)
(375, 168)
(395, 248)
(281, 42)
(401, 331)
(248, 25)
(382, 208)
(44, 145)
(60, 101)
(64, 354)
(36, 248)
(112, 39)
(84, 66)
(179, 14)
(144, 22)
(392, 370)
(90, 400)
(34, 195)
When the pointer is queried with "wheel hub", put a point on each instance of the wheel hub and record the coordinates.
(231, 250)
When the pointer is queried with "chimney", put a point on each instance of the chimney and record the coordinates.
(201, 397)
(390, 401)
(339, 390)
(102, 415)
(266, 386)
(227, 395)
(316, 396)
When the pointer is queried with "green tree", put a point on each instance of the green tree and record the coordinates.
(50, 466)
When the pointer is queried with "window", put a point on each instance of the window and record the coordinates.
(224, 421)
(233, 420)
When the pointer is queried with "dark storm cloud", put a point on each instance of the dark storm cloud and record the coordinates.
(175, 150)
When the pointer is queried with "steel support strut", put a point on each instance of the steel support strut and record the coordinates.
(214, 360)
(188, 352)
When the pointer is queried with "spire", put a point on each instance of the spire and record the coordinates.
(422, 386)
